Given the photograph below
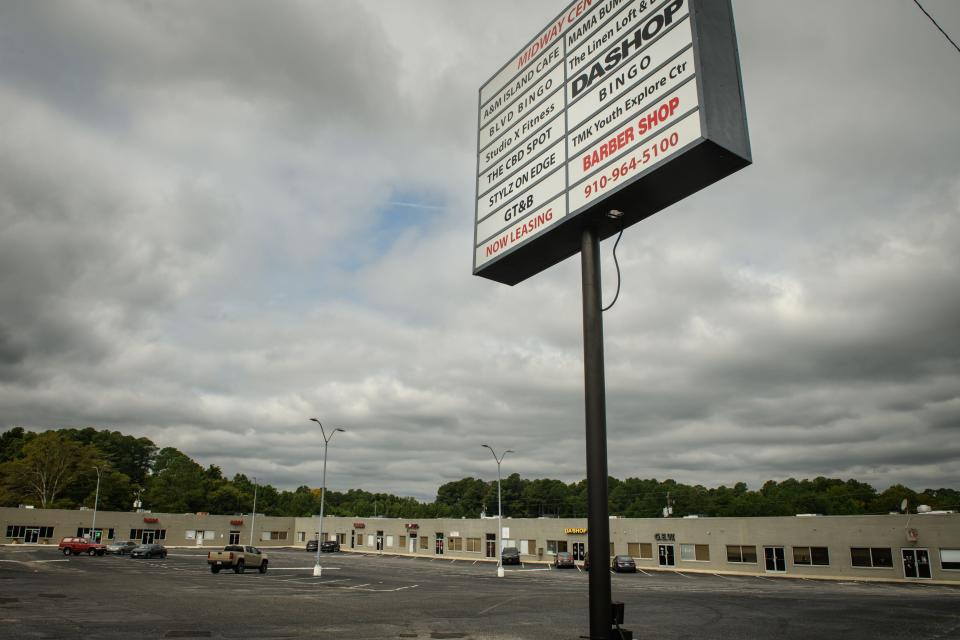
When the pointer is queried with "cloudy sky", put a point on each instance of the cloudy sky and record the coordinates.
(219, 219)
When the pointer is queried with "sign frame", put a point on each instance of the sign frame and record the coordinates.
(721, 148)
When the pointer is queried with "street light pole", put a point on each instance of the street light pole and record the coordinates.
(499, 535)
(317, 571)
(96, 499)
(253, 519)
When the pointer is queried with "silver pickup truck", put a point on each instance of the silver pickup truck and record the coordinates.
(238, 558)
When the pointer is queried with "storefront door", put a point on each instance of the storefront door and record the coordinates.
(147, 536)
(353, 538)
(200, 535)
(579, 549)
(379, 540)
(439, 547)
(491, 551)
(31, 535)
(234, 537)
(665, 554)
(916, 563)
(774, 560)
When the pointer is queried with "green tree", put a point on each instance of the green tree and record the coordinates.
(225, 499)
(49, 464)
(178, 484)
(465, 497)
(130, 456)
(11, 443)
(892, 498)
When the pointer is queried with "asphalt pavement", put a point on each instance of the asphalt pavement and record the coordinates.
(358, 596)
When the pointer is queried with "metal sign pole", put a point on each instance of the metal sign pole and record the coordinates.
(598, 522)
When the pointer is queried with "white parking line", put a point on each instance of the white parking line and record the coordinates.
(307, 580)
(643, 572)
(685, 575)
(724, 577)
(492, 607)
(762, 578)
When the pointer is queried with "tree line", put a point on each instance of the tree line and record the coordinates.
(59, 469)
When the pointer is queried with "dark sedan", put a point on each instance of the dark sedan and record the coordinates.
(329, 546)
(510, 555)
(623, 564)
(563, 560)
(149, 551)
(312, 545)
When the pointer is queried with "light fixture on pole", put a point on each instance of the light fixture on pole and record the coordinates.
(253, 519)
(96, 499)
(499, 536)
(317, 571)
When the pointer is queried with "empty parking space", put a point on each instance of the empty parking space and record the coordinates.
(381, 596)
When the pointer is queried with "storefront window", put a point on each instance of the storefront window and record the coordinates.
(741, 553)
(875, 557)
(818, 556)
(695, 552)
(950, 559)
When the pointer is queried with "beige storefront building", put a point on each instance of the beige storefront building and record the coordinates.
(885, 547)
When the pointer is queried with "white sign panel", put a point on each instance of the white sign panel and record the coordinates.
(606, 94)
(567, 92)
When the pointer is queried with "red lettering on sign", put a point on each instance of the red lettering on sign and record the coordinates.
(658, 115)
(516, 234)
(608, 148)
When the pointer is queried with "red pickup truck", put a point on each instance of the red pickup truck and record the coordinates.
(77, 546)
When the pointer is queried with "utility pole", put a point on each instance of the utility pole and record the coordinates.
(96, 499)
(499, 537)
(317, 571)
(598, 522)
(253, 520)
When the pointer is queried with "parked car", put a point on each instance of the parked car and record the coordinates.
(76, 546)
(312, 545)
(623, 564)
(563, 560)
(121, 547)
(149, 551)
(329, 546)
(510, 555)
(237, 557)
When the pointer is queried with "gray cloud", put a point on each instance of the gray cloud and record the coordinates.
(219, 220)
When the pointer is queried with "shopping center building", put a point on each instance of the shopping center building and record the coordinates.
(900, 547)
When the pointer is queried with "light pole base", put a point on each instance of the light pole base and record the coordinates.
(499, 572)
(317, 570)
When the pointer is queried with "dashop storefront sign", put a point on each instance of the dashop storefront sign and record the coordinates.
(626, 104)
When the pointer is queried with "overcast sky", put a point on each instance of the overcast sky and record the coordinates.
(219, 219)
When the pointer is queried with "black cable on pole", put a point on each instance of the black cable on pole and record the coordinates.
(616, 263)
(917, 2)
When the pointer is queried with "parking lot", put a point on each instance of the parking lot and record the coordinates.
(44, 595)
